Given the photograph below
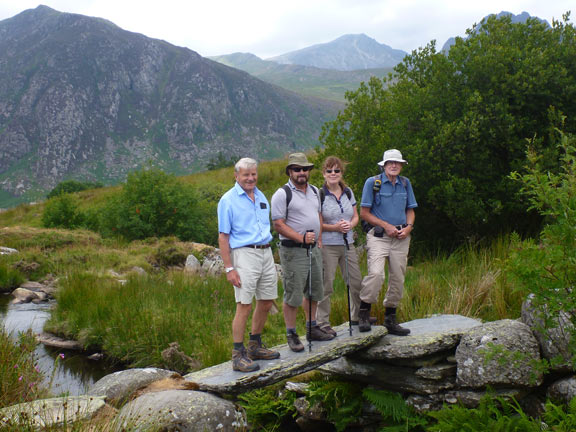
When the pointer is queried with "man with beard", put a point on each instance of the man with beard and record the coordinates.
(296, 215)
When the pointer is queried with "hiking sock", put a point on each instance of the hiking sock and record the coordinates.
(256, 337)
(390, 311)
(364, 305)
(311, 323)
(290, 330)
(238, 345)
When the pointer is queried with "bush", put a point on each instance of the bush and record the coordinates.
(62, 212)
(154, 204)
(70, 186)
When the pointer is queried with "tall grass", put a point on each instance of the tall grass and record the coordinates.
(469, 282)
(19, 375)
(136, 321)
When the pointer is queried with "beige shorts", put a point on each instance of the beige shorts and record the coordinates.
(257, 274)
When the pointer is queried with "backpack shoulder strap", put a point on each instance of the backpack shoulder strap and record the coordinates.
(288, 192)
(322, 197)
(348, 192)
(403, 181)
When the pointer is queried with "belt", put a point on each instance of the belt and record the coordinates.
(292, 244)
(264, 246)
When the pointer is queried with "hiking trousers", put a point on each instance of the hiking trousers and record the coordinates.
(334, 256)
(379, 251)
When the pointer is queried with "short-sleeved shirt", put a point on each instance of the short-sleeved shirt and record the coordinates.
(391, 201)
(303, 210)
(333, 211)
(246, 221)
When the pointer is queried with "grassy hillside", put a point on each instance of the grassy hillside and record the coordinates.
(310, 81)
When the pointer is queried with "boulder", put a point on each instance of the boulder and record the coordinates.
(7, 251)
(57, 342)
(181, 410)
(119, 386)
(23, 295)
(213, 264)
(562, 391)
(498, 354)
(554, 340)
(192, 265)
(46, 413)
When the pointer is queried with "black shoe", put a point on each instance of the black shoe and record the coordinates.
(393, 327)
(317, 334)
(364, 320)
(373, 321)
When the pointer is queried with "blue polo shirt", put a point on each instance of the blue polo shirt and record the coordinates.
(247, 222)
(391, 201)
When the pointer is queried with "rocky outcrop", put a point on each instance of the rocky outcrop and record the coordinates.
(82, 98)
(32, 292)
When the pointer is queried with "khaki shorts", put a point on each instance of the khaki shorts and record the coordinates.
(257, 274)
(295, 269)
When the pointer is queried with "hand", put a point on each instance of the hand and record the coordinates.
(343, 226)
(405, 232)
(391, 231)
(234, 278)
(309, 237)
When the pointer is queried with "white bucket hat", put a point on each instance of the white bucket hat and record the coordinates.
(392, 155)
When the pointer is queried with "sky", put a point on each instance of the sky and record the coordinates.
(273, 27)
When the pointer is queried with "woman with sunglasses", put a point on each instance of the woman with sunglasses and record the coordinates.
(339, 218)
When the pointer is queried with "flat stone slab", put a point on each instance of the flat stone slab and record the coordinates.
(427, 336)
(222, 379)
(57, 342)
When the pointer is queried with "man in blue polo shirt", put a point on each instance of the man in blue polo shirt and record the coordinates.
(387, 212)
(244, 240)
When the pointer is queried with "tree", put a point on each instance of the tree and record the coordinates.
(462, 121)
(155, 204)
(69, 186)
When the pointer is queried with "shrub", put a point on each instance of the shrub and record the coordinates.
(62, 212)
(154, 204)
(70, 186)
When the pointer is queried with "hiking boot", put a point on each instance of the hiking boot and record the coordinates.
(373, 321)
(327, 329)
(393, 327)
(294, 342)
(317, 334)
(258, 351)
(241, 363)
(364, 320)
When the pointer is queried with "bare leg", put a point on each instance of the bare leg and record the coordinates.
(239, 322)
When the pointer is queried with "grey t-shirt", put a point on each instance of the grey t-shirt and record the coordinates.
(303, 210)
(333, 211)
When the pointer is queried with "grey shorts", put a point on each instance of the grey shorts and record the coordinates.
(295, 268)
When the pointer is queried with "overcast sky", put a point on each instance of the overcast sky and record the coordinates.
(272, 27)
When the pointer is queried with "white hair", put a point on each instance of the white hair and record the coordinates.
(245, 163)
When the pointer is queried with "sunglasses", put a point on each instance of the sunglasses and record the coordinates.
(298, 169)
(337, 171)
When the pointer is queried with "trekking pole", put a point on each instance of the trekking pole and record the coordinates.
(309, 297)
(347, 280)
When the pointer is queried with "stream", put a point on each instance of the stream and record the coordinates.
(71, 375)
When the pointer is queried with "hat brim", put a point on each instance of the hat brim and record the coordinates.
(304, 165)
(382, 163)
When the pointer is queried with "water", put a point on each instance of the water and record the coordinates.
(73, 374)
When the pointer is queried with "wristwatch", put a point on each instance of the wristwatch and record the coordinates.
(229, 269)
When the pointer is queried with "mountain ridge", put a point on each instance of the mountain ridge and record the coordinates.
(84, 99)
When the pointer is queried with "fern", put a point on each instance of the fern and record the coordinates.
(265, 409)
(342, 401)
(393, 408)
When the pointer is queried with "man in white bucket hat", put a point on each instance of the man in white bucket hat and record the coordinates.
(387, 213)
